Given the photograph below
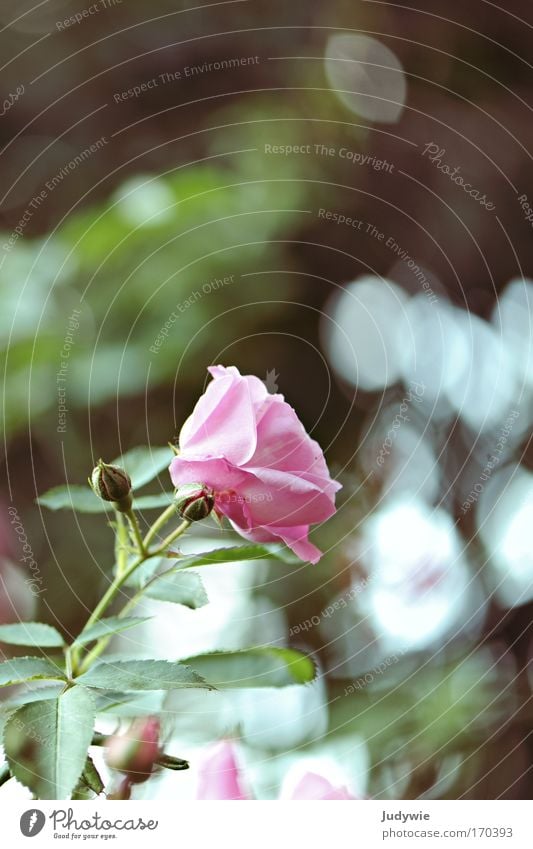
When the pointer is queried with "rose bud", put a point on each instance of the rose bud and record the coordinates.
(112, 484)
(135, 752)
(194, 501)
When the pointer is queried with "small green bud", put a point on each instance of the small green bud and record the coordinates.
(112, 484)
(194, 501)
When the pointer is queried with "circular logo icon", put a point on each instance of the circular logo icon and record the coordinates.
(32, 822)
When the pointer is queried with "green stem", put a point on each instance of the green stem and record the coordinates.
(121, 544)
(165, 517)
(136, 531)
(109, 596)
(5, 774)
(174, 535)
(112, 592)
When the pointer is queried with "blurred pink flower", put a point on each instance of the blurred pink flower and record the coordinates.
(269, 477)
(17, 587)
(220, 779)
(314, 786)
(219, 775)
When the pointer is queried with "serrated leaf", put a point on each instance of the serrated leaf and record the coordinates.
(26, 696)
(31, 634)
(46, 742)
(130, 704)
(180, 588)
(142, 675)
(20, 669)
(264, 666)
(106, 627)
(237, 553)
(146, 571)
(144, 463)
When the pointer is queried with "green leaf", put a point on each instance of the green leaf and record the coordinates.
(46, 742)
(142, 675)
(31, 634)
(153, 502)
(38, 694)
(74, 497)
(264, 666)
(236, 553)
(180, 588)
(144, 463)
(83, 500)
(20, 669)
(105, 627)
(130, 704)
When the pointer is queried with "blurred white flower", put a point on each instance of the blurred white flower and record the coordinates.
(504, 517)
(359, 331)
(402, 456)
(280, 718)
(420, 590)
(512, 317)
(366, 76)
(435, 348)
(486, 388)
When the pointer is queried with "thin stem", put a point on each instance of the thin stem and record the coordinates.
(165, 517)
(121, 544)
(136, 531)
(103, 642)
(113, 591)
(109, 596)
(174, 535)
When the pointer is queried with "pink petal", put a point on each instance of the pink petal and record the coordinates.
(222, 423)
(283, 498)
(219, 775)
(215, 472)
(314, 786)
(282, 443)
(296, 538)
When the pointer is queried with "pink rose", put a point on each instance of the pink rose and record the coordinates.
(269, 477)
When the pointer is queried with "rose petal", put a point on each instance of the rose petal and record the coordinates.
(282, 498)
(314, 786)
(219, 776)
(222, 423)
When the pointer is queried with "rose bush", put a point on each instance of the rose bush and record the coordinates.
(244, 454)
(269, 477)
